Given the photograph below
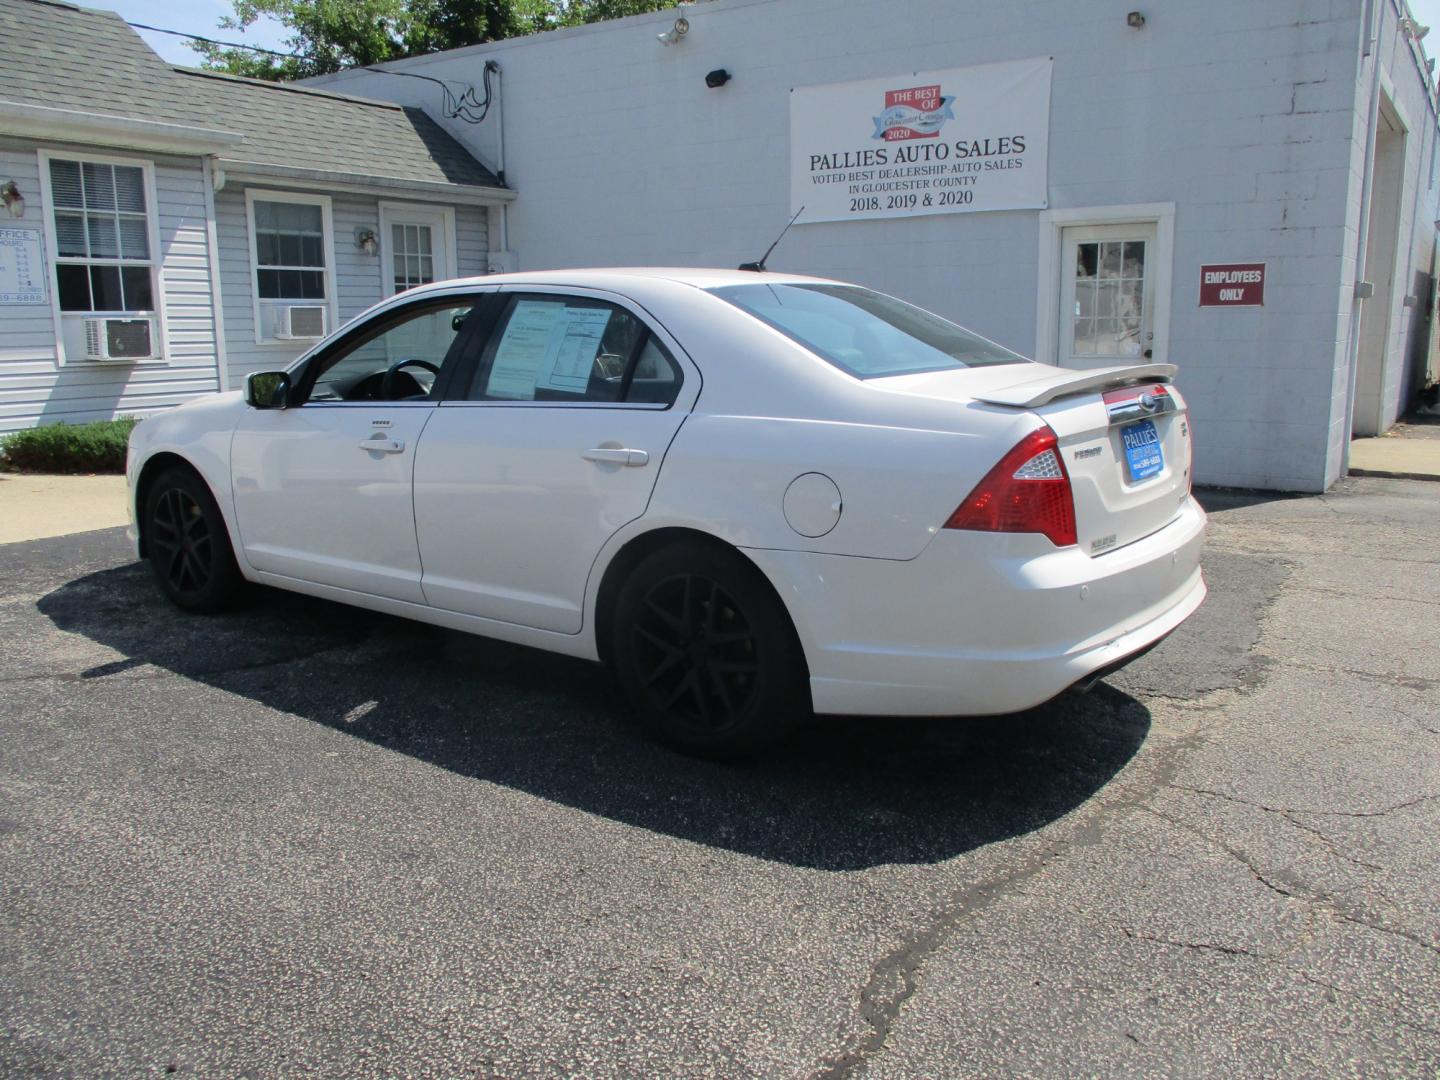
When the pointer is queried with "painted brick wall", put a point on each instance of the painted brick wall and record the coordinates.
(1240, 112)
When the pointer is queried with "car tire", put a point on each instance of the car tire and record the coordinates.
(188, 544)
(706, 653)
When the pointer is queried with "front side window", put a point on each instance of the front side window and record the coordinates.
(573, 349)
(103, 260)
(399, 358)
(866, 334)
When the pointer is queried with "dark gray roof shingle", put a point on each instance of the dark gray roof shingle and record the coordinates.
(61, 56)
(286, 125)
(66, 57)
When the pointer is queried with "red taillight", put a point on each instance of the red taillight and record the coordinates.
(1028, 491)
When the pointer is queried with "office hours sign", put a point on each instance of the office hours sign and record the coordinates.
(934, 142)
(22, 267)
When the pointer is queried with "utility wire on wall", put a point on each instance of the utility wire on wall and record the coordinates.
(464, 106)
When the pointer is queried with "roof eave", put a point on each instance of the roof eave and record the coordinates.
(68, 125)
(250, 172)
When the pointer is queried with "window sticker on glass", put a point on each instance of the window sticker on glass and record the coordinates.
(547, 345)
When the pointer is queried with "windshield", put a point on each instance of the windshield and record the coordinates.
(867, 334)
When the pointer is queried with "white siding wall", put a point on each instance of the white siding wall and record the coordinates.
(358, 277)
(1241, 113)
(34, 389)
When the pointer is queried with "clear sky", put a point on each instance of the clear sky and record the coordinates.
(194, 17)
(203, 17)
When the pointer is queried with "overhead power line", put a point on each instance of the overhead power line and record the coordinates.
(462, 106)
(221, 44)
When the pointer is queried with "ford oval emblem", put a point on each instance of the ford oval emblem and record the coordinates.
(1149, 402)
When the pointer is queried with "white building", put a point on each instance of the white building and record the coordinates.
(1291, 141)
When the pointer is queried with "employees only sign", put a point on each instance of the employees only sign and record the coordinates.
(1232, 285)
(935, 142)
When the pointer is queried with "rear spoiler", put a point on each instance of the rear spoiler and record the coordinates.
(1041, 391)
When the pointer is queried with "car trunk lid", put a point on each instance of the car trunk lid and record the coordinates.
(1123, 435)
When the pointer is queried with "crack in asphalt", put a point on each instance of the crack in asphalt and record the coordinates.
(1404, 935)
(1308, 810)
(1333, 847)
(1335, 992)
(1405, 682)
(1234, 853)
(1369, 598)
(1204, 946)
(896, 978)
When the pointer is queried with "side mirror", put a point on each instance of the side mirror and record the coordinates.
(267, 390)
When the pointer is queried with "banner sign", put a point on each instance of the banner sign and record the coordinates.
(1232, 285)
(934, 142)
(22, 267)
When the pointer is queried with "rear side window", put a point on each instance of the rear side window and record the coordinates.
(866, 334)
(573, 349)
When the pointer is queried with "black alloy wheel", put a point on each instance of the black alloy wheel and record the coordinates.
(188, 545)
(706, 652)
(697, 651)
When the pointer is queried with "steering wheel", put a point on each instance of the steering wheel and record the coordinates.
(387, 384)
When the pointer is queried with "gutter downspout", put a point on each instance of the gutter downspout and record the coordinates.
(214, 181)
(500, 151)
(1372, 50)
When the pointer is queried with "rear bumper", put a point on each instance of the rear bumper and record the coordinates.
(982, 623)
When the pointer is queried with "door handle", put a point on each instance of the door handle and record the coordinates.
(382, 445)
(616, 455)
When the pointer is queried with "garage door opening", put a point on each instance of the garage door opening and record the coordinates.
(1378, 371)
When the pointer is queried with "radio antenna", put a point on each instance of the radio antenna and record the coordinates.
(759, 267)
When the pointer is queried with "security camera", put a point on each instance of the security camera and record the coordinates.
(675, 33)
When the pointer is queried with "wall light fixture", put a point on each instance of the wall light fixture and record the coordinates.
(13, 200)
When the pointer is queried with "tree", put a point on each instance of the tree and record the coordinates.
(328, 35)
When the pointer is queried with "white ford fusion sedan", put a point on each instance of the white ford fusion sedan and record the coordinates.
(750, 494)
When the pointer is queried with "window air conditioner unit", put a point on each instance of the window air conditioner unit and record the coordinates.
(299, 321)
(119, 339)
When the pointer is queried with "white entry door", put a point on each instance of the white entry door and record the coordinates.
(1107, 302)
(417, 245)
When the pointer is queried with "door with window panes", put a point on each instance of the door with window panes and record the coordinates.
(1106, 296)
(415, 245)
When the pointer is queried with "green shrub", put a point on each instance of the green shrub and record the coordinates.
(98, 447)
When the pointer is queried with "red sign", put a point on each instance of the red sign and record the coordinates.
(915, 113)
(1232, 285)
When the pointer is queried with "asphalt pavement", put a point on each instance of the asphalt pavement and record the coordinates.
(304, 839)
